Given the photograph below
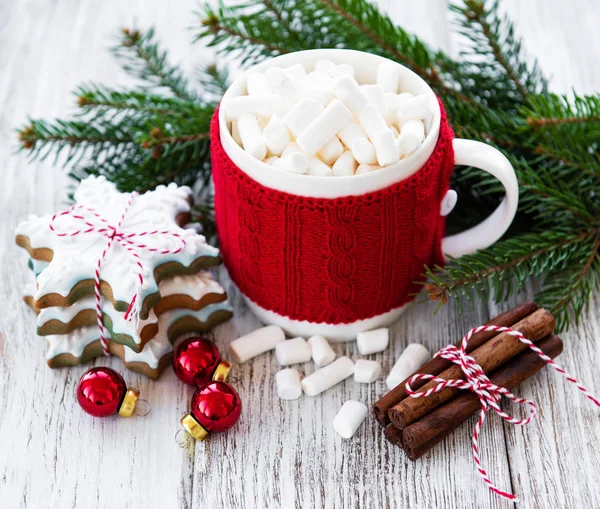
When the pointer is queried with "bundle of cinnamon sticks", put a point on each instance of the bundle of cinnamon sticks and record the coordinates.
(417, 425)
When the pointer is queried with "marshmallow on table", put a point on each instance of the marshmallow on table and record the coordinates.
(318, 168)
(349, 418)
(251, 136)
(366, 372)
(366, 168)
(261, 106)
(413, 357)
(293, 351)
(322, 353)
(411, 136)
(327, 377)
(256, 84)
(330, 152)
(373, 341)
(386, 148)
(345, 165)
(363, 151)
(324, 127)
(388, 77)
(255, 343)
(288, 384)
(302, 114)
(347, 90)
(276, 137)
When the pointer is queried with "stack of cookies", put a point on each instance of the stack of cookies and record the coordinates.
(127, 261)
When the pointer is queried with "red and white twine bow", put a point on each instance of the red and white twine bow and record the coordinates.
(488, 393)
(95, 223)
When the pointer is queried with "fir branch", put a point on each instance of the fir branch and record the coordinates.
(553, 110)
(140, 55)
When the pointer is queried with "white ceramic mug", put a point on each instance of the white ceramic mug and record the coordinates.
(466, 152)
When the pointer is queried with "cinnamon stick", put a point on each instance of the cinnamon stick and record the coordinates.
(437, 365)
(421, 436)
(489, 356)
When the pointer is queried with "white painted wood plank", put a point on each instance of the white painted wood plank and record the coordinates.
(555, 461)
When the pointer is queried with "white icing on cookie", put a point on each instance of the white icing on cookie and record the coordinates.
(119, 324)
(195, 286)
(74, 343)
(75, 257)
(160, 345)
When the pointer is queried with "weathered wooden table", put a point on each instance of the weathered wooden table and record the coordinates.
(282, 454)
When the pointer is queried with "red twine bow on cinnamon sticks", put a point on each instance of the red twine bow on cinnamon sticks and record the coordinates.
(95, 223)
(489, 394)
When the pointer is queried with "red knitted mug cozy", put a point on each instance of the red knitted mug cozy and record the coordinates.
(334, 260)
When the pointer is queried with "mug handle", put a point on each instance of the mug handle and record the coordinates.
(486, 158)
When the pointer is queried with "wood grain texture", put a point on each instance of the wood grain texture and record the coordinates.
(283, 453)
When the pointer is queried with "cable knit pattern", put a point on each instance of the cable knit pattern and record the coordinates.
(331, 260)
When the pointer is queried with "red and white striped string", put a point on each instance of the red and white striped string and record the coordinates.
(95, 223)
(488, 393)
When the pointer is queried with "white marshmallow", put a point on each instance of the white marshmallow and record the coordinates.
(322, 353)
(261, 106)
(413, 357)
(331, 151)
(371, 120)
(347, 90)
(318, 86)
(255, 343)
(318, 79)
(271, 160)
(282, 84)
(349, 418)
(292, 148)
(366, 168)
(318, 168)
(276, 138)
(235, 133)
(324, 127)
(344, 70)
(376, 96)
(262, 123)
(364, 151)
(366, 372)
(325, 66)
(385, 147)
(296, 71)
(416, 108)
(394, 131)
(256, 84)
(294, 163)
(288, 384)
(411, 137)
(293, 351)
(251, 136)
(373, 341)
(327, 377)
(302, 114)
(350, 132)
(345, 165)
(388, 77)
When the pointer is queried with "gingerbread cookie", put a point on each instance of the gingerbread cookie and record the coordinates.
(83, 345)
(133, 241)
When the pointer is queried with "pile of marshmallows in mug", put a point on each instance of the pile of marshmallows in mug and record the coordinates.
(330, 371)
(324, 123)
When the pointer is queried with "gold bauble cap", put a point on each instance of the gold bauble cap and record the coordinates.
(193, 427)
(222, 372)
(128, 404)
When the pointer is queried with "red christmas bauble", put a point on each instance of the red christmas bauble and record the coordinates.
(100, 391)
(197, 360)
(216, 406)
